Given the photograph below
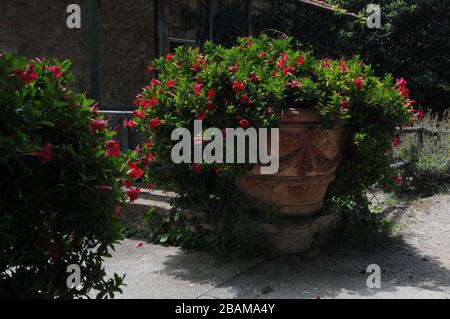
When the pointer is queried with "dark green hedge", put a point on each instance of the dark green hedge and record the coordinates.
(413, 42)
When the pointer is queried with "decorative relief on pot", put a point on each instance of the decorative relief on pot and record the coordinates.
(309, 157)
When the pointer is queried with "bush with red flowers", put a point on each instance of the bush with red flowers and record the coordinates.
(248, 85)
(59, 190)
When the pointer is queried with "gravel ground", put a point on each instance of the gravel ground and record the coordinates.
(415, 263)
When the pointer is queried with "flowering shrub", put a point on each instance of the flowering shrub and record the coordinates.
(59, 193)
(248, 85)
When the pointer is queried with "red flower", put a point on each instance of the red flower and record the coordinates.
(126, 183)
(420, 115)
(133, 193)
(94, 109)
(170, 84)
(343, 67)
(254, 77)
(97, 125)
(282, 60)
(137, 149)
(45, 153)
(127, 123)
(248, 42)
(29, 75)
(198, 140)
(294, 84)
(137, 101)
(113, 149)
(300, 60)
(201, 59)
(397, 180)
(410, 103)
(154, 123)
(195, 67)
(135, 171)
(344, 105)
(274, 74)
(169, 57)
(197, 88)
(150, 186)
(145, 104)
(234, 68)
(401, 87)
(133, 164)
(244, 123)
(138, 113)
(153, 101)
(358, 82)
(197, 168)
(149, 144)
(147, 159)
(141, 244)
(211, 94)
(401, 83)
(238, 87)
(211, 105)
(56, 70)
(261, 54)
(246, 99)
(150, 68)
(404, 91)
(118, 211)
(326, 63)
(154, 82)
(396, 142)
(288, 70)
(201, 116)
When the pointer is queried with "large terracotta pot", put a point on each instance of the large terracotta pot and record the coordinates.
(309, 157)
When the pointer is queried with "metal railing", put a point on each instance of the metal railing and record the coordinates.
(420, 131)
(127, 138)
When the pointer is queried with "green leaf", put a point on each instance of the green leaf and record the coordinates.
(164, 238)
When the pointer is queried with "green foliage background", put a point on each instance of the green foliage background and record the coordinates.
(413, 42)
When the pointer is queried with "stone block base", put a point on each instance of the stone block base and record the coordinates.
(292, 236)
(281, 237)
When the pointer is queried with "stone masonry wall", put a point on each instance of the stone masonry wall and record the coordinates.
(37, 28)
(34, 28)
(127, 47)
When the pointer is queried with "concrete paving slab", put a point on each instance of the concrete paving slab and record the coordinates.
(166, 272)
(414, 264)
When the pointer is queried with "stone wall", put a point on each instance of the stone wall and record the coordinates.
(37, 28)
(127, 47)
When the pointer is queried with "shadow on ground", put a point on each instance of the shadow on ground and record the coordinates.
(415, 263)
(338, 272)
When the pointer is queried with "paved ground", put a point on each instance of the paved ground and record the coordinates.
(414, 264)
